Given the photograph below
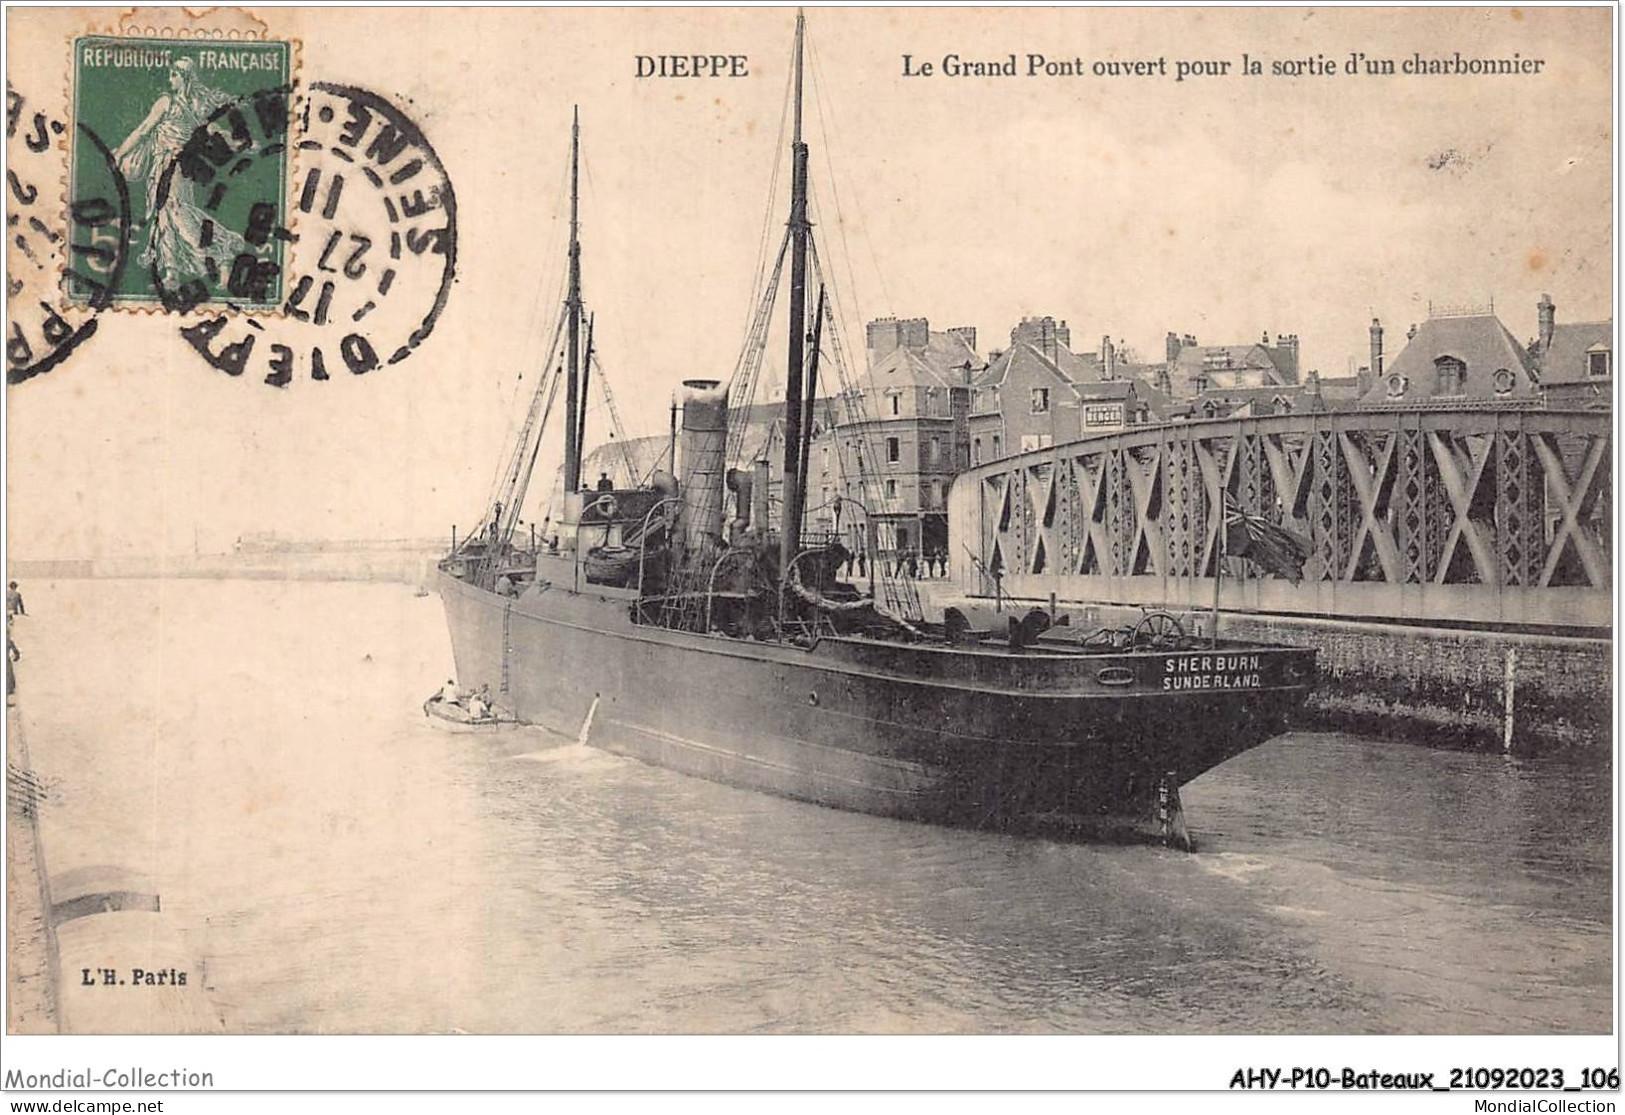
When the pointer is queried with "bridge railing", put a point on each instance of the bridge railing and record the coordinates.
(1475, 515)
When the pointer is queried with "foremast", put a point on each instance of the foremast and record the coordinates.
(572, 382)
(794, 483)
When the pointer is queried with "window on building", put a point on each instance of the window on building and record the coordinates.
(1396, 385)
(931, 402)
(896, 402)
(1041, 400)
(937, 496)
(976, 451)
(891, 489)
(934, 458)
(1599, 363)
(1504, 381)
(996, 453)
(824, 450)
(894, 450)
(1452, 373)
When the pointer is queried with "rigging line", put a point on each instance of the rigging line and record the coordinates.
(518, 501)
(899, 593)
(526, 359)
(758, 272)
(512, 430)
(742, 386)
(518, 474)
(617, 428)
(589, 205)
(857, 204)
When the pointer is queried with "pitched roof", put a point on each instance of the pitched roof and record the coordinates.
(1021, 355)
(1565, 360)
(1479, 341)
(939, 363)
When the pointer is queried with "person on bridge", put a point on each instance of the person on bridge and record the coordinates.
(14, 601)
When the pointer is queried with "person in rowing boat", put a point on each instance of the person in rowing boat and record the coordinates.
(450, 694)
(479, 704)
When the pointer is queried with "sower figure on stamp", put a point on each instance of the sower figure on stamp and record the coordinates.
(175, 239)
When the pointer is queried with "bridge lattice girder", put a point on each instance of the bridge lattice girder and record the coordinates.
(1482, 515)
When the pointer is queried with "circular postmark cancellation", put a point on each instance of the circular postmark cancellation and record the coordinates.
(371, 237)
(50, 251)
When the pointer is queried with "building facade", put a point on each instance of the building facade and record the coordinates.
(897, 440)
(1039, 392)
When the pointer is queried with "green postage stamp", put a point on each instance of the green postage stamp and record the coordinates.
(197, 129)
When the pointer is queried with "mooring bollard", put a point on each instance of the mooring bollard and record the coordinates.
(1510, 702)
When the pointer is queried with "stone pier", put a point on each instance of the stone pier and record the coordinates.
(31, 968)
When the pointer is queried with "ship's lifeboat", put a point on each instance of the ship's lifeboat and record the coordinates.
(451, 717)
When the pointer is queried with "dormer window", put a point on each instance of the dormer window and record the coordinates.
(1599, 363)
(1397, 385)
(1041, 400)
(1504, 381)
(1452, 373)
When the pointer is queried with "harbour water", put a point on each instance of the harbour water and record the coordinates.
(337, 865)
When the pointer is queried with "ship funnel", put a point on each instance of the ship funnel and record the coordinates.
(705, 450)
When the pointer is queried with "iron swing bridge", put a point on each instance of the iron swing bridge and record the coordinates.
(1466, 515)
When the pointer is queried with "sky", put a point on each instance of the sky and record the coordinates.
(1129, 206)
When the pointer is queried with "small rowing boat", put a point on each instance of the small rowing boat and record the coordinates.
(449, 716)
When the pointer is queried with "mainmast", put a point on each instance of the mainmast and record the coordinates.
(572, 390)
(794, 483)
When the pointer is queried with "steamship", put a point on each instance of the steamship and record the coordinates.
(688, 623)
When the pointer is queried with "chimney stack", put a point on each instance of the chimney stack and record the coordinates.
(1376, 348)
(1548, 321)
(884, 335)
(1172, 347)
(1108, 359)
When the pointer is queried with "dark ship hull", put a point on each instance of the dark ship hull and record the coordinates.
(966, 737)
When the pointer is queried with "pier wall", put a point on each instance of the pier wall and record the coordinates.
(1452, 687)
(406, 565)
